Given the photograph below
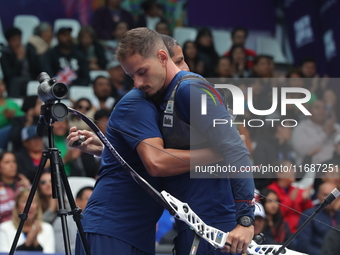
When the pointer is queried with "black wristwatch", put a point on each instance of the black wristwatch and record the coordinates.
(245, 221)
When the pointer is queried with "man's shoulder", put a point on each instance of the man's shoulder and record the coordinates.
(134, 95)
(188, 78)
(192, 83)
(134, 98)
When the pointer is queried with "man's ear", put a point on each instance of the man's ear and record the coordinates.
(162, 55)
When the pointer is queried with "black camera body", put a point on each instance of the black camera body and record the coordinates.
(50, 90)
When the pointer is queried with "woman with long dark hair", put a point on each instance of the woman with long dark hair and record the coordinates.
(238, 59)
(11, 182)
(191, 58)
(206, 51)
(276, 230)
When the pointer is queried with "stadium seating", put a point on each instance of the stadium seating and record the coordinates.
(77, 92)
(78, 182)
(26, 23)
(72, 23)
(222, 41)
(32, 88)
(2, 36)
(183, 34)
(95, 73)
(269, 46)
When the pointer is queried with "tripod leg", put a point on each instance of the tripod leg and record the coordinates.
(57, 189)
(23, 216)
(75, 211)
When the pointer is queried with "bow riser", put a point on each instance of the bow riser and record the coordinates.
(214, 236)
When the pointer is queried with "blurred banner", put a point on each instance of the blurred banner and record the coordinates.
(330, 27)
(254, 15)
(304, 31)
(46, 10)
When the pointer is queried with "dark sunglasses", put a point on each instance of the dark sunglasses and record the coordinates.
(43, 182)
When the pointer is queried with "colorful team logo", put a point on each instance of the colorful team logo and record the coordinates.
(211, 91)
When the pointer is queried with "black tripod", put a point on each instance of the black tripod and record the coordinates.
(49, 113)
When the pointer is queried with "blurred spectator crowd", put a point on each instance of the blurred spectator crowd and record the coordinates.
(85, 62)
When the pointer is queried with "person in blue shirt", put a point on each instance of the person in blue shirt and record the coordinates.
(194, 197)
(151, 162)
(120, 216)
(225, 203)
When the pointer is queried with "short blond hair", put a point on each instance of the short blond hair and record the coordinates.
(142, 41)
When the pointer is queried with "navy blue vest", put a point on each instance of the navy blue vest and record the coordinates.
(176, 132)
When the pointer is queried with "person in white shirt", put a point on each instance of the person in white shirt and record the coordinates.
(36, 235)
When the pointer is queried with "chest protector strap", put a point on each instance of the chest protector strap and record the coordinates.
(177, 133)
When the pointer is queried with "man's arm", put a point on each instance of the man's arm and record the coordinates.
(168, 162)
(232, 148)
(157, 160)
(226, 140)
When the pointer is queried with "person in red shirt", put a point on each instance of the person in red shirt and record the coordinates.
(293, 199)
(239, 36)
